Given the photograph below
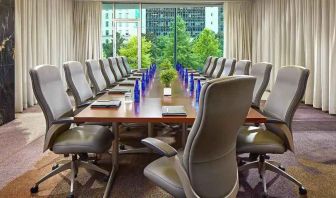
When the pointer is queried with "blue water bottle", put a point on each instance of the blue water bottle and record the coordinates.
(186, 77)
(136, 91)
(191, 83)
(198, 90)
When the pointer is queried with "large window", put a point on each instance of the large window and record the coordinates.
(176, 33)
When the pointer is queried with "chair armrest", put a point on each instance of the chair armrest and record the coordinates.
(64, 120)
(274, 120)
(159, 147)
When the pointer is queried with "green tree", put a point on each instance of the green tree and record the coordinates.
(108, 46)
(206, 44)
(130, 50)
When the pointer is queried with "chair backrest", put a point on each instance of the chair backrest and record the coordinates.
(262, 71)
(206, 64)
(229, 67)
(212, 66)
(107, 72)
(121, 66)
(127, 66)
(96, 75)
(287, 92)
(76, 80)
(209, 157)
(50, 93)
(115, 69)
(219, 67)
(242, 67)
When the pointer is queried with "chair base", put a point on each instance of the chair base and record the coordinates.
(73, 165)
(262, 165)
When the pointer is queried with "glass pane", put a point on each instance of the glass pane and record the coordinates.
(107, 30)
(127, 41)
(127, 11)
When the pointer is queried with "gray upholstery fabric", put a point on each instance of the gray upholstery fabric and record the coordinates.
(115, 69)
(107, 72)
(96, 75)
(287, 92)
(83, 139)
(76, 80)
(121, 66)
(229, 67)
(258, 140)
(242, 67)
(50, 93)
(218, 68)
(211, 67)
(163, 173)
(262, 71)
(206, 64)
(210, 154)
(127, 66)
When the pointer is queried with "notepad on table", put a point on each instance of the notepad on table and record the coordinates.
(127, 82)
(173, 111)
(120, 90)
(106, 104)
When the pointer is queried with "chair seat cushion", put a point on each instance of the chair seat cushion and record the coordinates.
(163, 174)
(83, 139)
(259, 141)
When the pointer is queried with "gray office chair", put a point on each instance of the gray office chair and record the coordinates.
(276, 137)
(206, 64)
(127, 66)
(229, 67)
(77, 83)
(60, 138)
(107, 72)
(262, 71)
(96, 76)
(121, 67)
(242, 67)
(207, 167)
(218, 68)
(115, 69)
(211, 67)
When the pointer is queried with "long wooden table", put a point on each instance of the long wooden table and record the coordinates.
(148, 110)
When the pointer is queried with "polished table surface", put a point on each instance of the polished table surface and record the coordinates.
(149, 109)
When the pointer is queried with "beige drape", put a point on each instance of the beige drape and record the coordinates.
(43, 35)
(237, 29)
(87, 29)
(287, 32)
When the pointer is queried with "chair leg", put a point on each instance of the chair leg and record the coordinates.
(54, 172)
(248, 166)
(73, 176)
(93, 167)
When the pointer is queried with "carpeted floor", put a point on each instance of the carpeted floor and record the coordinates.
(22, 163)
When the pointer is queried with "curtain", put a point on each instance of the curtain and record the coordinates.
(43, 35)
(287, 32)
(87, 30)
(237, 29)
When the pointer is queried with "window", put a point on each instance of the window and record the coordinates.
(106, 24)
(107, 33)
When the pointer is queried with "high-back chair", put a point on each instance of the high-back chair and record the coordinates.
(242, 67)
(122, 67)
(206, 64)
(229, 67)
(276, 138)
(207, 167)
(107, 72)
(77, 83)
(115, 69)
(60, 138)
(127, 66)
(262, 71)
(219, 67)
(96, 76)
(211, 67)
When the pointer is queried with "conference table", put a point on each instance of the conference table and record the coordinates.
(149, 110)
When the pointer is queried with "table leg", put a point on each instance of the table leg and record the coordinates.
(115, 162)
(150, 130)
(184, 134)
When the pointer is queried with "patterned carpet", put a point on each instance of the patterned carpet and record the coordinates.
(22, 163)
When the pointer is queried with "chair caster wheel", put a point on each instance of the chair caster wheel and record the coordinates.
(55, 166)
(302, 191)
(34, 189)
(264, 195)
(122, 147)
(106, 178)
(75, 175)
(70, 196)
(282, 168)
(241, 163)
